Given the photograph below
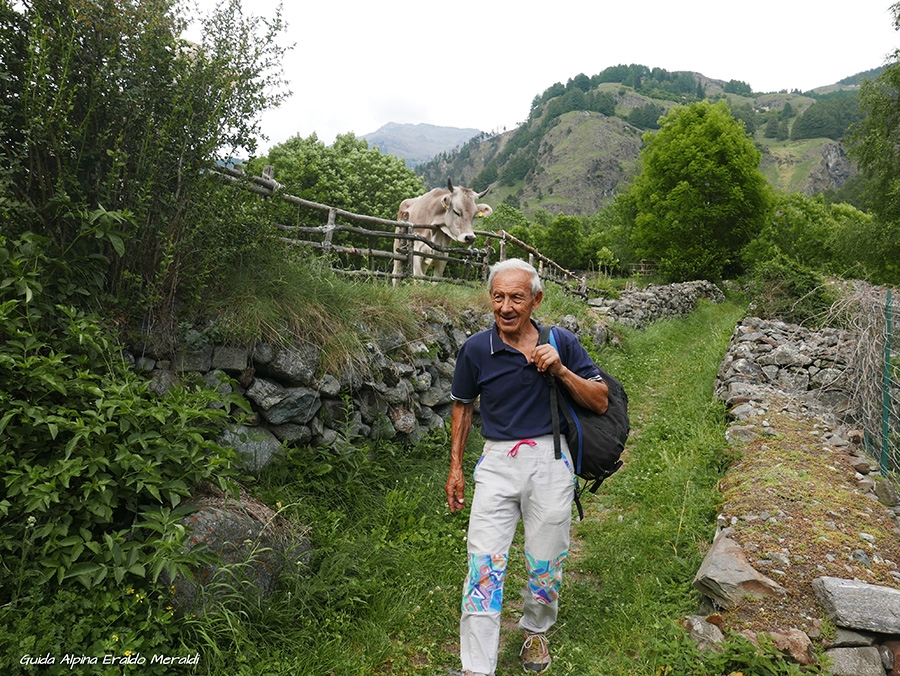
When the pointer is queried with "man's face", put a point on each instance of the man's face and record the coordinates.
(513, 302)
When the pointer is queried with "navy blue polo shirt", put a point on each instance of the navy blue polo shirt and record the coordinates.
(515, 397)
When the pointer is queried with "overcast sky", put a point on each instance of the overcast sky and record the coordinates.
(479, 63)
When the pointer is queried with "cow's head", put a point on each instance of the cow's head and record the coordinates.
(461, 209)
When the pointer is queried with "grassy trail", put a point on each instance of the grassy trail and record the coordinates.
(382, 595)
(648, 528)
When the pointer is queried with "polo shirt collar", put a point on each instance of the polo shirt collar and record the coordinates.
(500, 345)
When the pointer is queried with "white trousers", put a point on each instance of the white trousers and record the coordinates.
(513, 480)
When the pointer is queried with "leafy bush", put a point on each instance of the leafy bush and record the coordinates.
(79, 629)
(94, 466)
(106, 107)
(786, 290)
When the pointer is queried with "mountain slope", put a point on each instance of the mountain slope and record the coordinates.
(581, 142)
(417, 143)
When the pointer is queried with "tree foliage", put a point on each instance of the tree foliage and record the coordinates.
(827, 118)
(105, 107)
(873, 143)
(835, 238)
(348, 175)
(700, 197)
(738, 87)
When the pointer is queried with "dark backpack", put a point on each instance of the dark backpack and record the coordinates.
(595, 441)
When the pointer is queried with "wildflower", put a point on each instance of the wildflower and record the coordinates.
(30, 521)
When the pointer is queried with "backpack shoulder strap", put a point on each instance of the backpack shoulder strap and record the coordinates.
(546, 335)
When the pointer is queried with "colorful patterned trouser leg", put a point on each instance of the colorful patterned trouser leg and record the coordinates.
(532, 485)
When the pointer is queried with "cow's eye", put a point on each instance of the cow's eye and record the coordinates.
(457, 213)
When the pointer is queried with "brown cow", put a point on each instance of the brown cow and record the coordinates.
(453, 210)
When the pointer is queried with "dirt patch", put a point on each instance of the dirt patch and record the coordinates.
(800, 512)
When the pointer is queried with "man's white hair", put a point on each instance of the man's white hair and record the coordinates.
(516, 264)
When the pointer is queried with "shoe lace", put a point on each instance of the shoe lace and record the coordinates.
(536, 645)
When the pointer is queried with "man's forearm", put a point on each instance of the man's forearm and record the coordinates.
(592, 394)
(460, 424)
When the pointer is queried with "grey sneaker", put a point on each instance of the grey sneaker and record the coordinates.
(535, 653)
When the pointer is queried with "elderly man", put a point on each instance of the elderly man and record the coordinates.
(517, 475)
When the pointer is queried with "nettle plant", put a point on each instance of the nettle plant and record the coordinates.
(94, 467)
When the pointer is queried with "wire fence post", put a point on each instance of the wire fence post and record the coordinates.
(886, 399)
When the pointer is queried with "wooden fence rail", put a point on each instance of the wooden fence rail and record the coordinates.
(472, 261)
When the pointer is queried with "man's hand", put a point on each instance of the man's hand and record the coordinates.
(591, 394)
(456, 487)
(546, 358)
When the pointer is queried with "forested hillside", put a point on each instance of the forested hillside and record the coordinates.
(580, 143)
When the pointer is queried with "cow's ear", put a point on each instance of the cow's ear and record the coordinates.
(445, 201)
(484, 210)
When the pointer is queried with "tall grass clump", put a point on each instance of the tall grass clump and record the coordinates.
(286, 295)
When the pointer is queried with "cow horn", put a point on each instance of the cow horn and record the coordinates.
(482, 194)
(449, 185)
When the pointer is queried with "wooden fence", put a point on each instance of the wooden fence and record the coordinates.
(340, 242)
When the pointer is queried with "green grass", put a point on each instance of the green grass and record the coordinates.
(306, 301)
(381, 594)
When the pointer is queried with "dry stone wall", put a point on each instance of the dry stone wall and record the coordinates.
(770, 368)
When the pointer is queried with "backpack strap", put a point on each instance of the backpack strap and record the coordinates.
(545, 337)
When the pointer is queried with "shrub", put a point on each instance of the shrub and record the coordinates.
(786, 290)
(94, 466)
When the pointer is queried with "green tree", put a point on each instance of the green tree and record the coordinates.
(512, 221)
(612, 228)
(873, 143)
(827, 118)
(563, 242)
(348, 175)
(700, 196)
(800, 228)
(738, 87)
(747, 115)
(106, 107)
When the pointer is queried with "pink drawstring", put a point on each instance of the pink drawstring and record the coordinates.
(515, 449)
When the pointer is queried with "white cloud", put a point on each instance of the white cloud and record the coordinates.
(480, 64)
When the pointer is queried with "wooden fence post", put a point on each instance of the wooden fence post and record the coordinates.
(329, 231)
(411, 254)
(485, 267)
